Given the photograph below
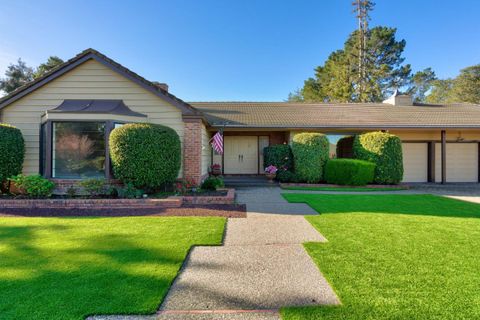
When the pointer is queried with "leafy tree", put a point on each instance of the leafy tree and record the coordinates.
(422, 82)
(337, 80)
(441, 91)
(466, 87)
(16, 76)
(52, 62)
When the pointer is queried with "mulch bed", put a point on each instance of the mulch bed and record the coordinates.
(214, 210)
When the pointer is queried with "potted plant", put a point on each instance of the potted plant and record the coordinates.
(271, 172)
(216, 169)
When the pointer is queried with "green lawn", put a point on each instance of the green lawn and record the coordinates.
(68, 268)
(345, 189)
(396, 256)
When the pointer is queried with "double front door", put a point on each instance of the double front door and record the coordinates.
(241, 155)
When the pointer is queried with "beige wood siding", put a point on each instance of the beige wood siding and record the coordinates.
(435, 134)
(462, 162)
(206, 150)
(90, 80)
(415, 162)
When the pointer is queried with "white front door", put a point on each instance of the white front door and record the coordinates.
(241, 155)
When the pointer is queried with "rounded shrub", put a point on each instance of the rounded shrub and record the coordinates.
(310, 153)
(383, 149)
(279, 155)
(12, 152)
(145, 155)
(350, 172)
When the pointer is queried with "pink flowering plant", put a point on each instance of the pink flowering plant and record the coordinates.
(271, 169)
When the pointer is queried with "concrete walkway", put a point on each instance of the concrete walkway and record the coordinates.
(261, 267)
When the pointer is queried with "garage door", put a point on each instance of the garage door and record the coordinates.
(462, 162)
(415, 162)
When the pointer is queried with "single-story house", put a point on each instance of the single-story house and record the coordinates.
(77, 104)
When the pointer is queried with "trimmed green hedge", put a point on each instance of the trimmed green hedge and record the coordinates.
(350, 172)
(310, 153)
(279, 155)
(286, 176)
(383, 149)
(345, 147)
(146, 155)
(12, 152)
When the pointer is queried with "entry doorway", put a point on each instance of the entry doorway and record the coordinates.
(241, 155)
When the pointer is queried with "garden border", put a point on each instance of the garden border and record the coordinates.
(170, 202)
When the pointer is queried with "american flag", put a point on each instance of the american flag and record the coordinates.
(217, 142)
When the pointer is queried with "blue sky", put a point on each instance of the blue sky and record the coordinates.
(232, 50)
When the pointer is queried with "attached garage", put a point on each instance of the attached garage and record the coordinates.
(415, 162)
(461, 162)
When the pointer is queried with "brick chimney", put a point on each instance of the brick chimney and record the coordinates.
(161, 85)
(399, 99)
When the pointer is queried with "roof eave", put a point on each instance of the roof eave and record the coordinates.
(86, 55)
(379, 127)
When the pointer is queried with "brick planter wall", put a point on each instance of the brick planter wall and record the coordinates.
(62, 185)
(229, 198)
(170, 202)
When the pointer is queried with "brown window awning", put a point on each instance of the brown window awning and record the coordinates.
(117, 107)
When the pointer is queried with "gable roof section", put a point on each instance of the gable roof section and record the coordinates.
(284, 115)
(185, 108)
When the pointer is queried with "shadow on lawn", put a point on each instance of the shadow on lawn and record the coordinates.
(73, 276)
(418, 204)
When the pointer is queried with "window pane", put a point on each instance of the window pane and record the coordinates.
(78, 150)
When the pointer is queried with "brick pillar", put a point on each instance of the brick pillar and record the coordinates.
(192, 149)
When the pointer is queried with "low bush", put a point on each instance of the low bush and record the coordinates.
(349, 172)
(146, 155)
(183, 186)
(383, 149)
(12, 152)
(310, 153)
(278, 155)
(286, 176)
(34, 186)
(212, 183)
(94, 187)
(128, 191)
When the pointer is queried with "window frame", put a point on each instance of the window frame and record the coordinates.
(46, 147)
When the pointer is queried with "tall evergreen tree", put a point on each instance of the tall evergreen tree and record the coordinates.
(422, 82)
(337, 80)
(16, 76)
(52, 62)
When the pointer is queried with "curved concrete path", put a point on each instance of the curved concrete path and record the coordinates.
(261, 267)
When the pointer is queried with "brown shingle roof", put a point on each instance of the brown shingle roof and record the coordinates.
(350, 115)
